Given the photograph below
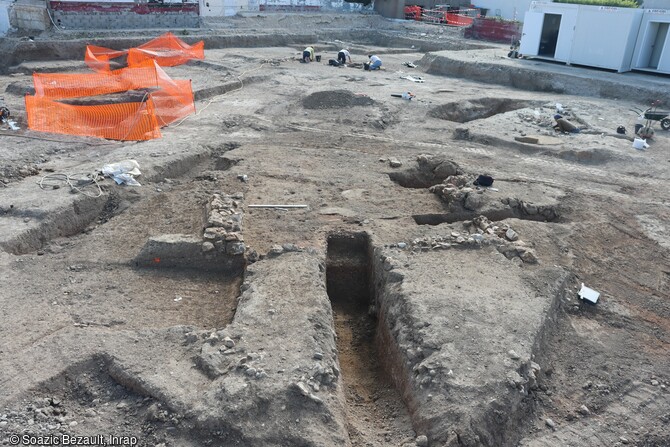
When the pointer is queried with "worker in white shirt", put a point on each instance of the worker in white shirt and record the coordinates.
(375, 63)
(343, 57)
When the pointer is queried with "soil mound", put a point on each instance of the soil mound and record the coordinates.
(333, 99)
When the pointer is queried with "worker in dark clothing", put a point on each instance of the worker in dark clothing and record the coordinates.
(564, 125)
(344, 56)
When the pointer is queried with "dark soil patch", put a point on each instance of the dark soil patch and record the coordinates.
(333, 99)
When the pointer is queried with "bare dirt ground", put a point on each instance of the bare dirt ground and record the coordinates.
(441, 331)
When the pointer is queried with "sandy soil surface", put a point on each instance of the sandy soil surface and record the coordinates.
(95, 344)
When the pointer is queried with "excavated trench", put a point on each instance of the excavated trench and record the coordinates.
(105, 399)
(101, 238)
(494, 216)
(18, 51)
(376, 415)
(476, 109)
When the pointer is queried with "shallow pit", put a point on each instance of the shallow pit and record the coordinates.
(476, 109)
(595, 156)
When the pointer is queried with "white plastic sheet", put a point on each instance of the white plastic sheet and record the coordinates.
(123, 172)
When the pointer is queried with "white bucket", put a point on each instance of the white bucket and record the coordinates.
(640, 144)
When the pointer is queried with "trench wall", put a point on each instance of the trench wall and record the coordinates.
(18, 51)
(529, 79)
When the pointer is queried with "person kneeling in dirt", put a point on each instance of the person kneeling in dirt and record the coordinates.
(375, 63)
(564, 125)
(343, 56)
(308, 54)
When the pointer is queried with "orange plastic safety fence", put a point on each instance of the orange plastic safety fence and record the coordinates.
(165, 100)
(97, 58)
(173, 98)
(458, 19)
(126, 121)
(167, 50)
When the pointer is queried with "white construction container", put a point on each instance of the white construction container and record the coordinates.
(652, 51)
(221, 8)
(4, 16)
(605, 37)
(548, 30)
(596, 36)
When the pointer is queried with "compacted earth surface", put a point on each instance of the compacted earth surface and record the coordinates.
(308, 260)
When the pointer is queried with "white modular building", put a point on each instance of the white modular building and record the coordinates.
(652, 51)
(595, 36)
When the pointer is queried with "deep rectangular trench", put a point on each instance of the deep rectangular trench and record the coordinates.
(494, 216)
(376, 414)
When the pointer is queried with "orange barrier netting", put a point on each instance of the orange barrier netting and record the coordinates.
(127, 121)
(167, 50)
(97, 58)
(173, 98)
(165, 100)
(458, 19)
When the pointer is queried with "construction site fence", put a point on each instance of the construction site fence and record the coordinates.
(455, 17)
(144, 98)
(167, 50)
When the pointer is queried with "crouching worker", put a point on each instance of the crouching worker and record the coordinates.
(344, 57)
(308, 54)
(374, 64)
(564, 125)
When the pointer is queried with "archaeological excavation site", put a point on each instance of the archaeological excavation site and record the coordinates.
(207, 241)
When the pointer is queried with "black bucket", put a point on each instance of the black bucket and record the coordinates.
(318, 57)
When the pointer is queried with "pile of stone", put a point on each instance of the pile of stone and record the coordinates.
(44, 415)
(536, 117)
(529, 209)
(218, 354)
(456, 190)
(427, 171)
(319, 377)
(223, 224)
(277, 250)
(481, 231)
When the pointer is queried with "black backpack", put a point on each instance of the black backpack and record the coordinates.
(483, 180)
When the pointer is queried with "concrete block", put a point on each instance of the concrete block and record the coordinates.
(30, 16)
(124, 20)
